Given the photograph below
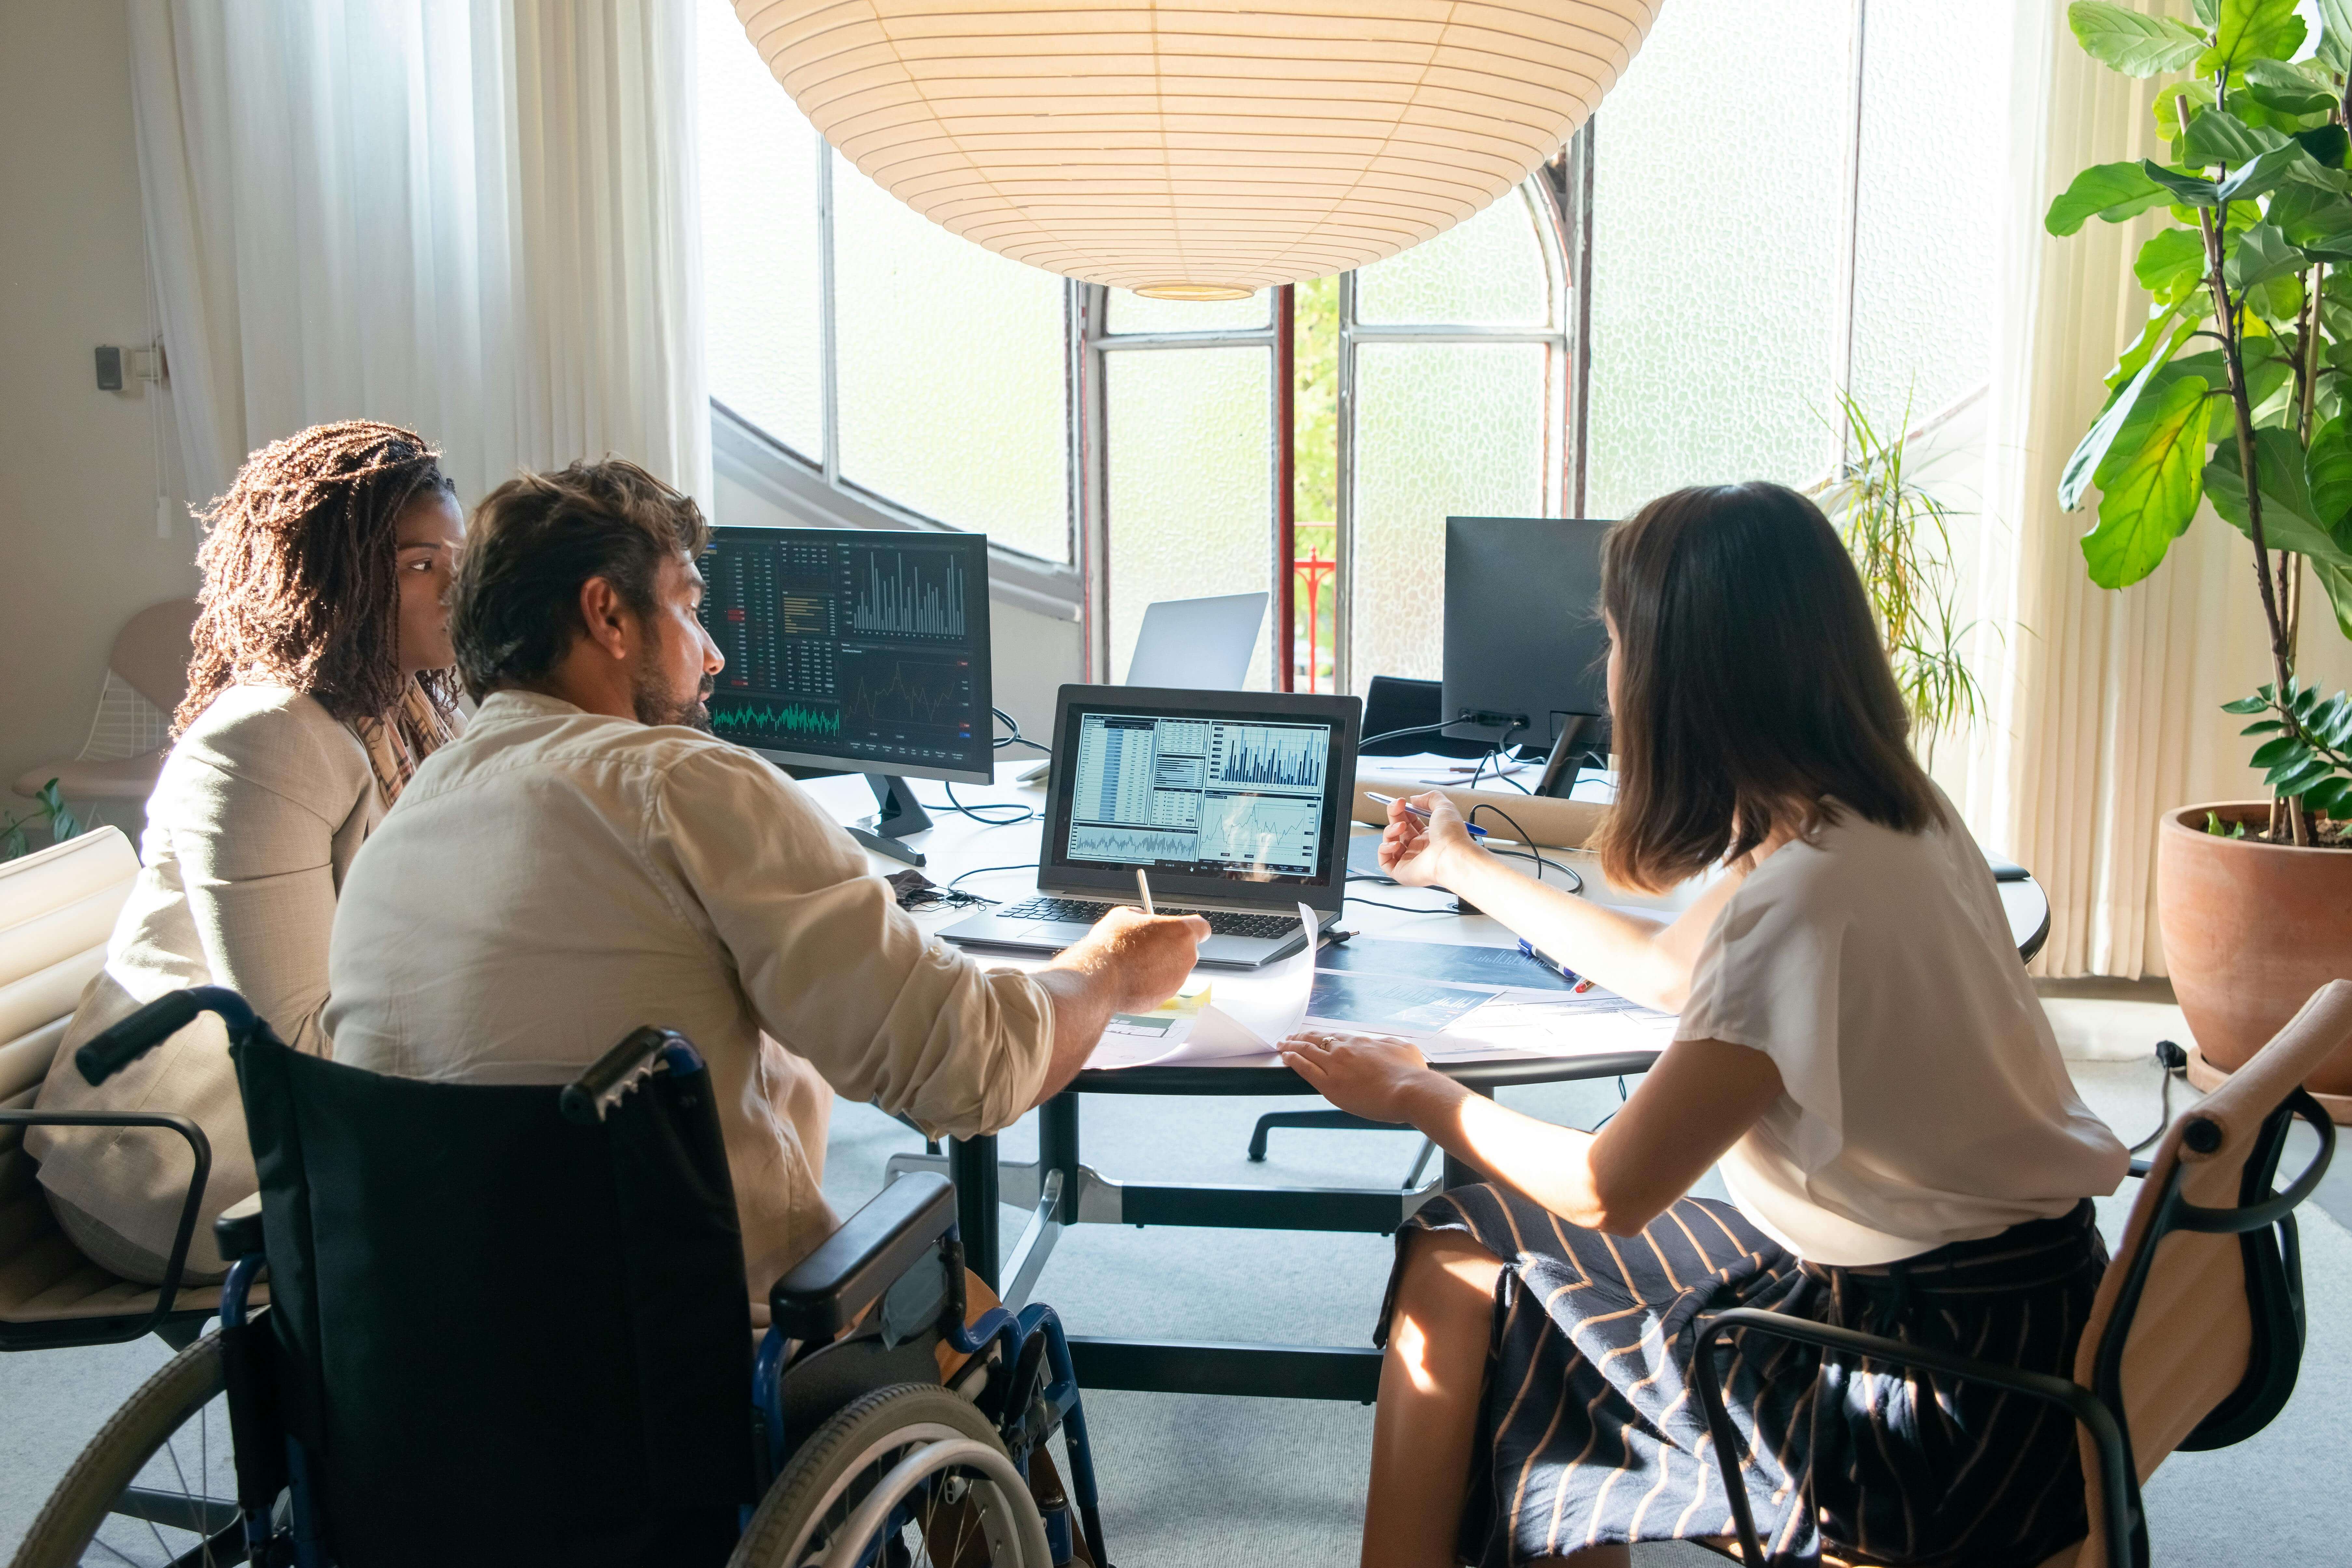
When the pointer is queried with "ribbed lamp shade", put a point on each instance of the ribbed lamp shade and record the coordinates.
(1192, 149)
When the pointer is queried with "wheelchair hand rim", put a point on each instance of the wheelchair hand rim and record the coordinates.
(955, 1449)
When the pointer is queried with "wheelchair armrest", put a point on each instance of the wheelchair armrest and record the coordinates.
(826, 1291)
(239, 1229)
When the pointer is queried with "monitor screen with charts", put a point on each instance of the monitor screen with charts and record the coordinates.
(863, 650)
(1250, 787)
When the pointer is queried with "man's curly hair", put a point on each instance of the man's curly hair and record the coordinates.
(299, 560)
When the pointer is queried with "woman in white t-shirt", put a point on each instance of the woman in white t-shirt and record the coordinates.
(1860, 1049)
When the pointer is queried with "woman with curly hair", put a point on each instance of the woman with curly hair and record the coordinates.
(321, 677)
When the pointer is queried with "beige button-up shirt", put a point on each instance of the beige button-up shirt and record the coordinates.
(555, 879)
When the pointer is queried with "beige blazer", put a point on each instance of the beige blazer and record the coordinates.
(255, 819)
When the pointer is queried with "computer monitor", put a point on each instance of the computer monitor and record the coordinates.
(859, 649)
(1526, 649)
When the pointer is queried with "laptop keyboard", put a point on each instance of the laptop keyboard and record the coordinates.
(1222, 922)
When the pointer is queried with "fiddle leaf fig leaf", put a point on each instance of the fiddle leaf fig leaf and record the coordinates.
(2337, 582)
(2089, 454)
(2171, 102)
(2179, 187)
(2327, 468)
(2172, 263)
(2262, 253)
(2216, 136)
(2133, 42)
(2263, 175)
(2110, 191)
(2287, 508)
(2289, 89)
(2250, 30)
(2335, 35)
(2325, 144)
(2149, 483)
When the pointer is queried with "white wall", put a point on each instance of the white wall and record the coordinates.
(1031, 655)
(78, 517)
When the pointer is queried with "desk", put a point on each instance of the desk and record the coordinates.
(1059, 1189)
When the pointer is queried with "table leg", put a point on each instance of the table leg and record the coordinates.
(971, 1165)
(1058, 1150)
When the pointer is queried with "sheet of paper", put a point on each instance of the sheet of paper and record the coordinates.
(1248, 1012)
(1448, 1001)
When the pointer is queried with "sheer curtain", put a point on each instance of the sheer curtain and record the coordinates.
(475, 219)
(2104, 704)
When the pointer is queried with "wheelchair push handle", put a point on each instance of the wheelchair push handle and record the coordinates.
(120, 1044)
(618, 1073)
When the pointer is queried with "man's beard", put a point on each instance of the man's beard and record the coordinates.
(655, 703)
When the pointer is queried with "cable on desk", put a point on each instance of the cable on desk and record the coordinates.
(977, 870)
(1575, 878)
(1027, 814)
(1400, 909)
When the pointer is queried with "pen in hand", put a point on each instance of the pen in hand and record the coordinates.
(1143, 886)
(1475, 831)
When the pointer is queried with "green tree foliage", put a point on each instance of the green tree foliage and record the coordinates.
(2242, 366)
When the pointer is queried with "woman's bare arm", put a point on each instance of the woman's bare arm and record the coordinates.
(1691, 1107)
(1641, 960)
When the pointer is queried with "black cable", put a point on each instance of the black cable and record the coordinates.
(1027, 814)
(1576, 880)
(1016, 737)
(978, 870)
(1400, 909)
(2175, 1063)
(1399, 734)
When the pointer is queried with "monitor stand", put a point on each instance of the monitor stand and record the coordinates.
(901, 814)
(1559, 769)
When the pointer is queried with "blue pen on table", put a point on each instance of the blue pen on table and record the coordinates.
(1575, 979)
(1475, 831)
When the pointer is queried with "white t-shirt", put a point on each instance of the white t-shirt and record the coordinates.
(1924, 1099)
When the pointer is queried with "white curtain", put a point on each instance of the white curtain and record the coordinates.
(475, 219)
(2105, 705)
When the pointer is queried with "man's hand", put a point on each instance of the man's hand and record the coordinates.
(1371, 1075)
(1142, 959)
(1418, 854)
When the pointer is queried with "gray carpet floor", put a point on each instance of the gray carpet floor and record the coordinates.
(1220, 1482)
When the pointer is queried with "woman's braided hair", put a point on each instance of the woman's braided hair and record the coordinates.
(299, 562)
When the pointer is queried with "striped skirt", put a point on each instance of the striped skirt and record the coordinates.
(1591, 1433)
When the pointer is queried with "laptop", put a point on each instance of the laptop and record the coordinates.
(1197, 644)
(1236, 803)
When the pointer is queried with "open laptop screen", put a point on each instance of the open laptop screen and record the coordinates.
(1202, 789)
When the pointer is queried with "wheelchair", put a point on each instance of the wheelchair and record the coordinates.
(510, 1325)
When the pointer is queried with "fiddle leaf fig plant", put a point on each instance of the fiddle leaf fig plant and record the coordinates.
(2237, 391)
(49, 809)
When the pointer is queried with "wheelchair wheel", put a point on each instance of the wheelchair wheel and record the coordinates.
(909, 1476)
(157, 1484)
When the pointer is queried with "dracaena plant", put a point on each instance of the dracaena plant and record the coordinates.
(2245, 365)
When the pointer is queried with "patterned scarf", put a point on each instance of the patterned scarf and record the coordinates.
(396, 749)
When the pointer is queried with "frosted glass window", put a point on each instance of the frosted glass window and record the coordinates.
(761, 245)
(1446, 430)
(1716, 214)
(952, 384)
(1133, 313)
(1191, 481)
(1489, 271)
(1928, 208)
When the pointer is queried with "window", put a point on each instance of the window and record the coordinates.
(1768, 210)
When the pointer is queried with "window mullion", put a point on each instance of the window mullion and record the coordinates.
(1343, 613)
(829, 381)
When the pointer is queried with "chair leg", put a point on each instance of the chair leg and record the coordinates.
(1420, 1164)
(1341, 1120)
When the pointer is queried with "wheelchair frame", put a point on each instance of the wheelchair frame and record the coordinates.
(826, 1310)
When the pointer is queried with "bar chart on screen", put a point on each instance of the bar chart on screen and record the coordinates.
(1268, 756)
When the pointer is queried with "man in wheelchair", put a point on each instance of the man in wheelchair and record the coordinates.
(561, 1376)
(588, 858)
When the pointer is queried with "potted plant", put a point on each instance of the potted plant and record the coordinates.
(2239, 392)
(49, 809)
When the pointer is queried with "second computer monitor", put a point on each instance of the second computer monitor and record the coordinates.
(862, 649)
(1526, 649)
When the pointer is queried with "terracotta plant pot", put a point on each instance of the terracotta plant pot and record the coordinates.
(2250, 931)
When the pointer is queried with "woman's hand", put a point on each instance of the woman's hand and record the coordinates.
(1417, 853)
(1373, 1076)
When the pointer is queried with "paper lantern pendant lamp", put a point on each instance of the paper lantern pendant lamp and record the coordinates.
(1196, 151)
